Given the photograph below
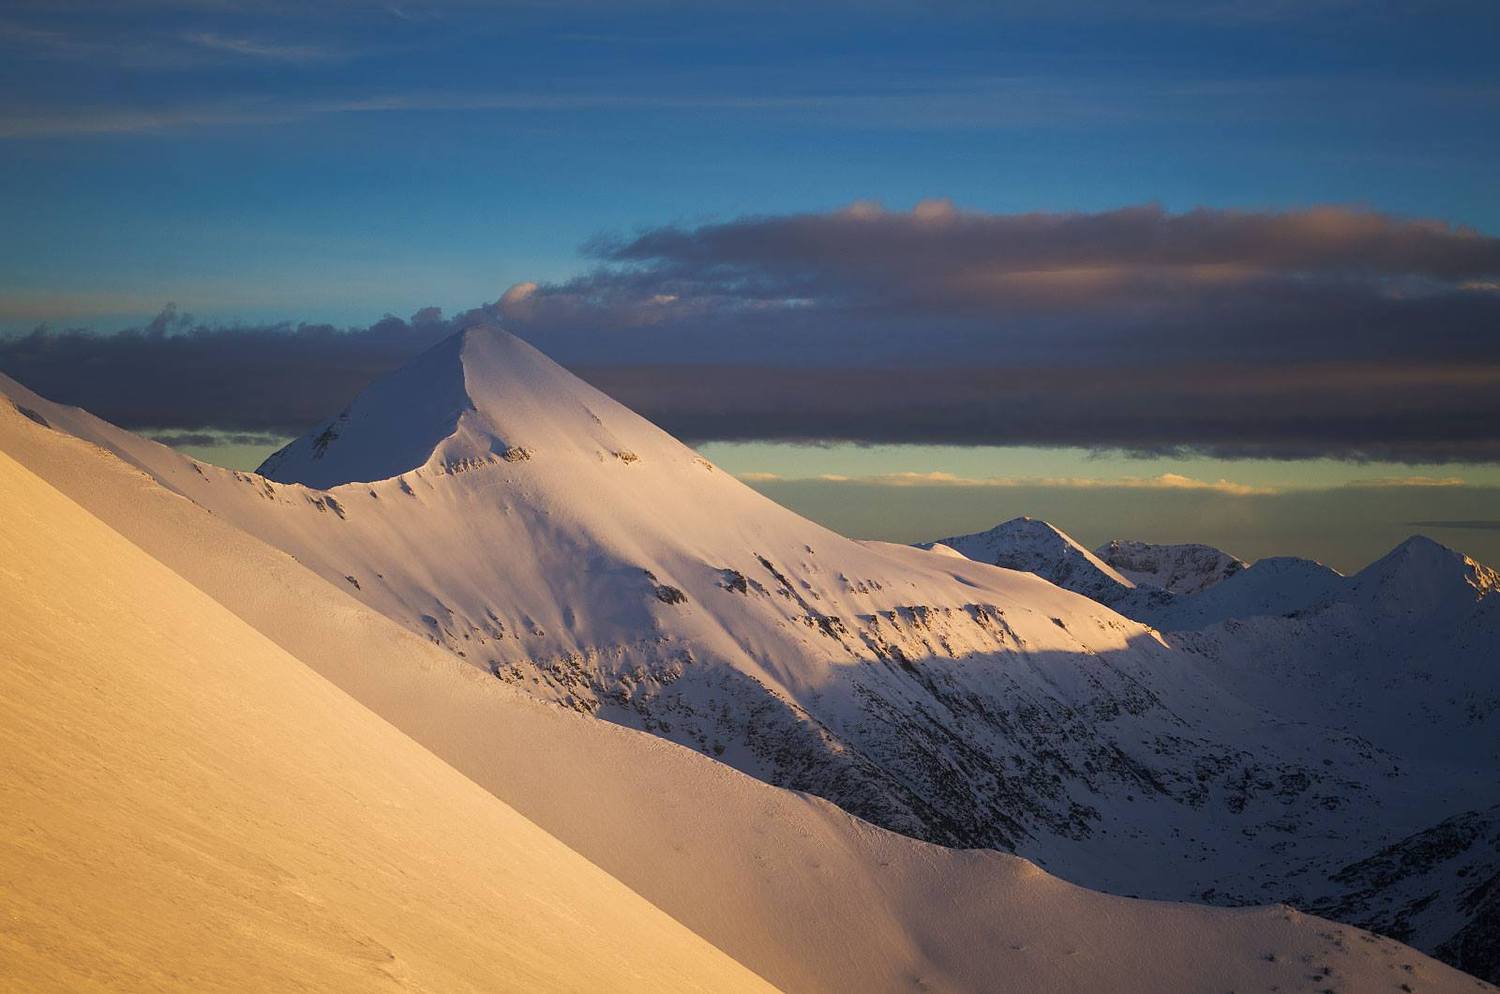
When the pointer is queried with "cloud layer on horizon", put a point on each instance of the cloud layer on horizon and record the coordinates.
(1319, 332)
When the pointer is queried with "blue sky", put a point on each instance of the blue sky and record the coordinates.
(658, 169)
(338, 161)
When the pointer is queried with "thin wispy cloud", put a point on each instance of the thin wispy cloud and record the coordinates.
(17, 33)
(210, 439)
(950, 104)
(1161, 481)
(1409, 481)
(257, 49)
(157, 48)
(250, 111)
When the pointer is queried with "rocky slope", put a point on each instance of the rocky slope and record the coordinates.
(1177, 569)
(1439, 887)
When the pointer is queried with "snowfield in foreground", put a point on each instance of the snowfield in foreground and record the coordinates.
(514, 525)
(188, 807)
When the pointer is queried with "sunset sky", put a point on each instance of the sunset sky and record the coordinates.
(1167, 270)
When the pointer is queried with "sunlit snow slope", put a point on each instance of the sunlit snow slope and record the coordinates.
(185, 807)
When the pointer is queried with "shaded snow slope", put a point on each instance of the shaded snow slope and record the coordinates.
(1278, 585)
(1440, 886)
(1406, 655)
(1422, 582)
(797, 890)
(1169, 587)
(189, 808)
(1177, 569)
(616, 572)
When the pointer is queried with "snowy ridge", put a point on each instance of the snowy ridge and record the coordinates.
(666, 595)
(616, 572)
(1034, 546)
(1177, 569)
(1277, 585)
(1189, 587)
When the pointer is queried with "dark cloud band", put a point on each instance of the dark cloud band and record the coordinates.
(174, 374)
(1284, 335)
(1363, 412)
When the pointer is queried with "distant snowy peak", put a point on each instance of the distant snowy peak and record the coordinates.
(1277, 585)
(1419, 584)
(1034, 546)
(1189, 587)
(480, 397)
(1420, 578)
(1177, 569)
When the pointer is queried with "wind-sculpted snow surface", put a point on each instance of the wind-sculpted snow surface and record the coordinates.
(530, 526)
(189, 808)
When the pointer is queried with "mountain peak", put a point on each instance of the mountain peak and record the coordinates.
(1037, 546)
(1415, 553)
(480, 396)
(1420, 576)
(1422, 545)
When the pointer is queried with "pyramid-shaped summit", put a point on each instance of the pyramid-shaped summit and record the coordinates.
(1421, 576)
(1039, 547)
(481, 396)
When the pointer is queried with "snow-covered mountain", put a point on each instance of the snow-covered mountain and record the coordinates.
(1034, 546)
(1423, 582)
(228, 773)
(1405, 655)
(521, 521)
(1276, 585)
(1177, 569)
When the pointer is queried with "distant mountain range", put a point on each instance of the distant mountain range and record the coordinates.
(1404, 655)
(1160, 721)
